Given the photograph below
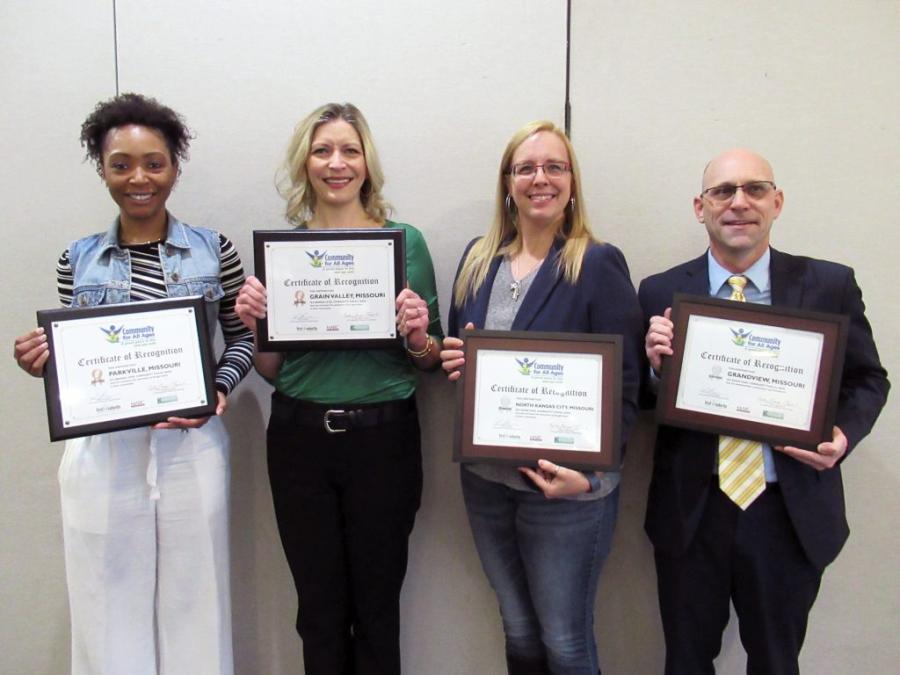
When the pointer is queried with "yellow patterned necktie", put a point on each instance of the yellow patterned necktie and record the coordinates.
(741, 473)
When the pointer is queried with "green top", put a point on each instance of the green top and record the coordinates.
(365, 375)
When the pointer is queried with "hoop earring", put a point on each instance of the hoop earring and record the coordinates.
(510, 207)
(572, 204)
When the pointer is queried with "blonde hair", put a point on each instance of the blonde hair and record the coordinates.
(504, 238)
(294, 185)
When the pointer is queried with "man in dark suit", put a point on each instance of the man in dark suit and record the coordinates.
(765, 549)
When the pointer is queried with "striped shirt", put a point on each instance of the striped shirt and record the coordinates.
(148, 283)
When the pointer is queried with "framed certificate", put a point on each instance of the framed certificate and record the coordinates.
(330, 289)
(528, 395)
(753, 371)
(116, 367)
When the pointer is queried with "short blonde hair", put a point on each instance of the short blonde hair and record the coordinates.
(294, 185)
(504, 238)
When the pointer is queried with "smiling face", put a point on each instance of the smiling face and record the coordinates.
(738, 229)
(139, 173)
(336, 165)
(540, 199)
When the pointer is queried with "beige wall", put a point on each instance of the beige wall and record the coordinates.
(656, 91)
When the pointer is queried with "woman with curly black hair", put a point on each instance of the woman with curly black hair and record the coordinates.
(145, 511)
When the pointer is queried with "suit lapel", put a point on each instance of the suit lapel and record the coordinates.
(480, 305)
(787, 279)
(696, 277)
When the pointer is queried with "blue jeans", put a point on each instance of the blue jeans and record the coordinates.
(543, 559)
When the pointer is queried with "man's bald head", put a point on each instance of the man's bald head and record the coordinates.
(736, 157)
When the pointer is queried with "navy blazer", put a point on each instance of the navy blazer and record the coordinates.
(601, 301)
(684, 460)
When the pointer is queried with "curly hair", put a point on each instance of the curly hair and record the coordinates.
(294, 184)
(144, 111)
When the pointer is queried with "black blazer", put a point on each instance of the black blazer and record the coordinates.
(601, 301)
(684, 460)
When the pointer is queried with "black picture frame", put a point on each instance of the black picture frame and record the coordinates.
(51, 319)
(262, 239)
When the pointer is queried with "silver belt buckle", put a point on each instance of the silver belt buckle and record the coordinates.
(327, 421)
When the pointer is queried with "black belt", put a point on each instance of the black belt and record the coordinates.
(337, 418)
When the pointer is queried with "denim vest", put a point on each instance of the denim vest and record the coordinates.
(101, 269)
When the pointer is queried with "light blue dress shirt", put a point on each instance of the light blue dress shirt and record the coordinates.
(758, 290)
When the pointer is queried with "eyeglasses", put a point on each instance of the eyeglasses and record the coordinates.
(756, 189)
(529, 170)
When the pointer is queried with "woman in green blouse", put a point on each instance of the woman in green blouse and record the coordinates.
(346, 502)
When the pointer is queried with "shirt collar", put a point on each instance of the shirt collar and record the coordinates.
(175, 236)
(757, 273)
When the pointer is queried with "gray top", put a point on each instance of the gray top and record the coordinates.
(506, 298)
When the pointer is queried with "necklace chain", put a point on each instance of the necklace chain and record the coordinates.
(516, 286)
(139, 243)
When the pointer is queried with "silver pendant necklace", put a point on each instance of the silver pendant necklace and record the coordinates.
(515, 288)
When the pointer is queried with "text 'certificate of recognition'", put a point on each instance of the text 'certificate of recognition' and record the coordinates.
(330, 288)
(770, 374)
(548, 401)
(746, 371)
(112, 371)
(530, 395)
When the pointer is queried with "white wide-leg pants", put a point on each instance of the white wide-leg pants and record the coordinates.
(145, 523)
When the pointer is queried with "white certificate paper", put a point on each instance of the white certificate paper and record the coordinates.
(543, 400)
(750, 371)
(330, 290)
(114, 367)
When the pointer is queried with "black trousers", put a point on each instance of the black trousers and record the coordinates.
(345, 505)
(752, 558)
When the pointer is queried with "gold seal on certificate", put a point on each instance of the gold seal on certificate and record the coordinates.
(330, 289)
(117, 367)
(753, 371)
(526, 396)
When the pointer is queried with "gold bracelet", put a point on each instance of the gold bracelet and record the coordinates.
(425, 350)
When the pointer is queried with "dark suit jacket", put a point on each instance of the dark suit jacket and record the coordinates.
(684, 460)
(601, 301)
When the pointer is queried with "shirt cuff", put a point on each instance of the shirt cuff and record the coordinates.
(653, 381)
(595, 480)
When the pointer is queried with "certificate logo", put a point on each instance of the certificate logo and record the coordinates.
(740, 336)
(542, 371)
(761, 345)
(131, 337)
(321, 260)
(525, 365)
(316, 259)
(112, 333)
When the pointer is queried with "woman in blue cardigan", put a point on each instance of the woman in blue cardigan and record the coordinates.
(543, 532)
